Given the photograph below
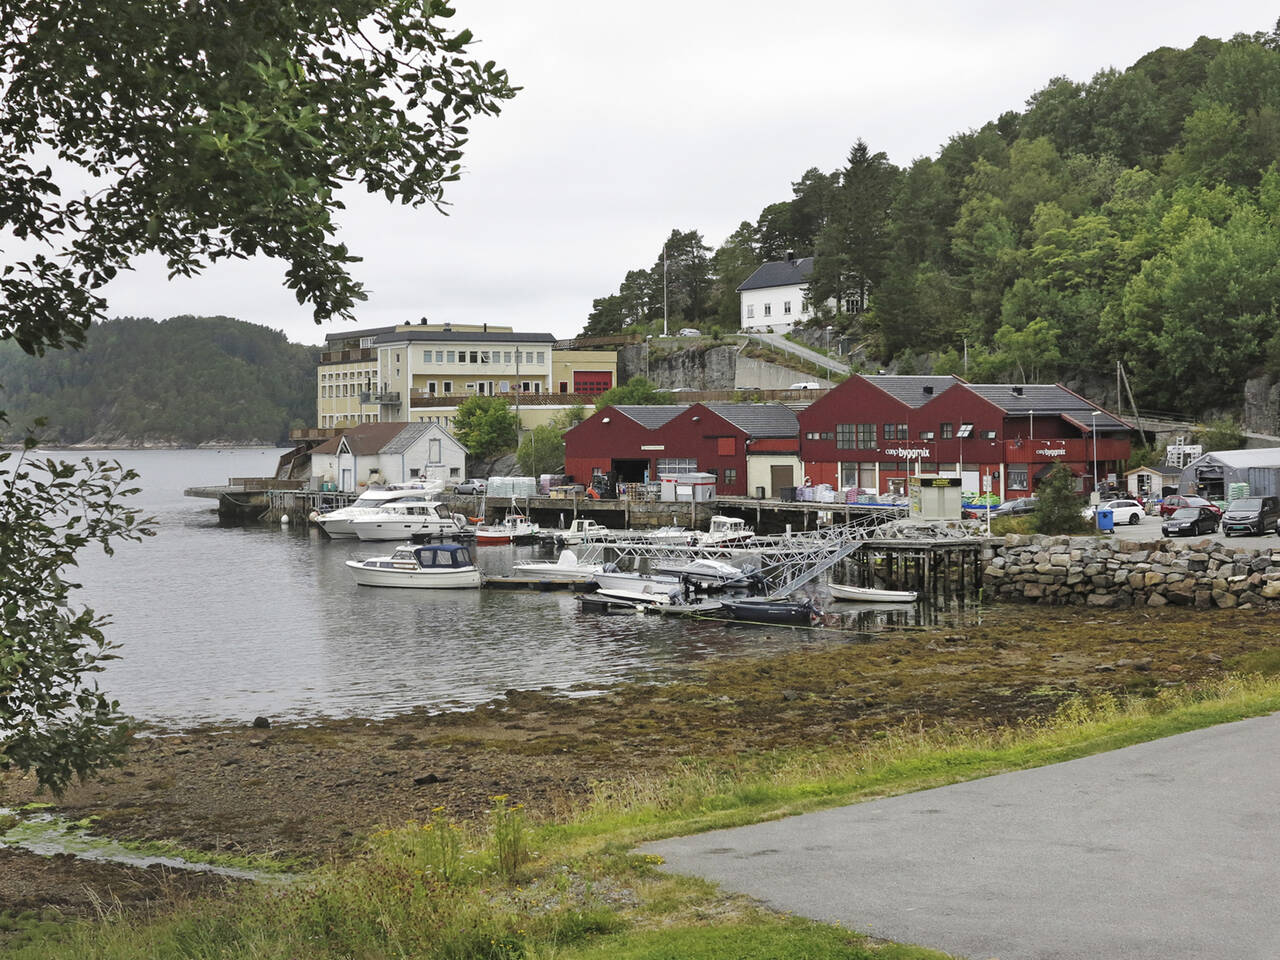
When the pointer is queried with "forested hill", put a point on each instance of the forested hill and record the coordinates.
(1134, 217)
(185, 380)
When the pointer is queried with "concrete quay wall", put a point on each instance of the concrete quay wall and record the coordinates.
(1102, 572)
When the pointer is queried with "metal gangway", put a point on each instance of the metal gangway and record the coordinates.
(785, 562)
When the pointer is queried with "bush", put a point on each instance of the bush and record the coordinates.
(1060, 509)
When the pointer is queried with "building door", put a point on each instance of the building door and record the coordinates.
(780, 475)
(348, 483)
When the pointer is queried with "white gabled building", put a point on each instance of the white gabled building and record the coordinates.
(776, 297)
(388, 453)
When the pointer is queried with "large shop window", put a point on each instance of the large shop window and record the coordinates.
(866, 436)
(1017, 478)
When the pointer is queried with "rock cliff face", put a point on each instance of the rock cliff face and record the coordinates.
(1262, 406)
(1122, 573)
(711, 368)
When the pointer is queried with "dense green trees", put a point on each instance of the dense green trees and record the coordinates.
(187, 379)
(1132, 217)
(485, 426)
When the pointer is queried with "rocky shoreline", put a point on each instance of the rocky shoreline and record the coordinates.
(313, 791)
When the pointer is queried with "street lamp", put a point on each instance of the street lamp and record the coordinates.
(826, 340)
(1094, 430)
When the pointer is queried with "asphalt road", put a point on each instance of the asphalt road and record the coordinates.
(1167, 850)
(1149, 529)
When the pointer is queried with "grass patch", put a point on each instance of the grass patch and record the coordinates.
(1263, 662)
(573, 890)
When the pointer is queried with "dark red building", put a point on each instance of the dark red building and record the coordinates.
(745, 445)
(874, 432)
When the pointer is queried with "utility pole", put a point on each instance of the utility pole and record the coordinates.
(664, 289)
(966, 358)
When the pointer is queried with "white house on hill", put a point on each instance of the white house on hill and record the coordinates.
(776, 297)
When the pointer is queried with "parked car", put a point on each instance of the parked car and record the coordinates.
(1190, 522)
(1178, 501)
(806, 385)
(1122, 511)
(1255, 515)
(470, 486)
(1016, 508)
(690, 332)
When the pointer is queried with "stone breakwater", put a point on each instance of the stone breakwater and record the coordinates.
(1121, 573)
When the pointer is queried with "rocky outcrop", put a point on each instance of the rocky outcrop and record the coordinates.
(1262, 406)
(1121, 573)
(710, 368)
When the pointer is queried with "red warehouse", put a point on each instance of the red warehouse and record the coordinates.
(747, 446)
(874, 432)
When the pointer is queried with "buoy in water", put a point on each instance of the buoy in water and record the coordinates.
(284, 519)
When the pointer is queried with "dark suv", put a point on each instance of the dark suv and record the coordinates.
(1254, 515)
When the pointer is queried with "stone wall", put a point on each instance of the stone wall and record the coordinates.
(1104, 572)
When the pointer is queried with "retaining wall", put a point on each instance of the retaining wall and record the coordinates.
(1102, 572)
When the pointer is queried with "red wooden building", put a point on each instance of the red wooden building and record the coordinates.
(730, 440)
(874, 432)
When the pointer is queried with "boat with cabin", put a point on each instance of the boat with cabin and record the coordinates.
(582, 530)
(435, 566)
(404, 520)
(513, 528)
(723, 532)
(337, 523)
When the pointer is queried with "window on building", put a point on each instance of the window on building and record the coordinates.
(475, 356)
(426, 356)
(786, 307)
(397, 356)
(768, 309)
(528, 356)
(542, 356)
(965, 431)
(366, 342)
(988, 434)
(948, 430)
(1017, 477)
(449, 355)
(462, 356)
(506, 356)
(484, 356)
(433, 451)
(677, 465)
(844, 436)
(730, 476)
(890, 431)
(446, 386)
(564, 386)
(751, 311)
(926, 434)
(439, 356)
(431, 386)
(866, 436)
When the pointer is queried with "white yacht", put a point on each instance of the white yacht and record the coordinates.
(566, 567)
(404, 519)
(443, 565)
(337, 523)
(724, 531)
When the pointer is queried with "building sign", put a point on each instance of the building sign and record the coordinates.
(908, 453)
(940, 481)
(653, 446)
(1051, 451)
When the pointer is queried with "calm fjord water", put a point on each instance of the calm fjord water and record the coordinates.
(225, 623)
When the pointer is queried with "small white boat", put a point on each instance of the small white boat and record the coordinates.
(724, 531)
(648, 594)
(616, 580)
(707, 572)
(402, 520)
(566, 567)
(871, 595)
(437, 566)
(514, 527)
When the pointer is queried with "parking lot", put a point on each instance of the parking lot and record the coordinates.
(1149, 529)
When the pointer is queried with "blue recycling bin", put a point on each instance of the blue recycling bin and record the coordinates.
(1106, 520)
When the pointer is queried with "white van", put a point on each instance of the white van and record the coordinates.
(806, 385)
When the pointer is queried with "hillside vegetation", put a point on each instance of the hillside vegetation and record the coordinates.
(1131, 217)
(185, 380)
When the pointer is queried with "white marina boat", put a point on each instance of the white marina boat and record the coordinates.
(636, 582)
(871, 595)
(337, 523)
(707, 572)
(513, 528)
(405, 519)
(643, 595)
(437, 566)
(566, 567)
(725, 531)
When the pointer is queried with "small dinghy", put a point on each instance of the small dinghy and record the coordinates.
(761, 610)
(871, 595)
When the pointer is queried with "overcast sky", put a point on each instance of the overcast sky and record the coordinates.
(637, 118)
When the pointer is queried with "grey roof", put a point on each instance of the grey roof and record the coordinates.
(406, 438)
(1241, 459)
(462, 336)
(779, 273)
(911, 390)
(1047, 398)
(651, 416)
(355, 334)
(759, 419)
